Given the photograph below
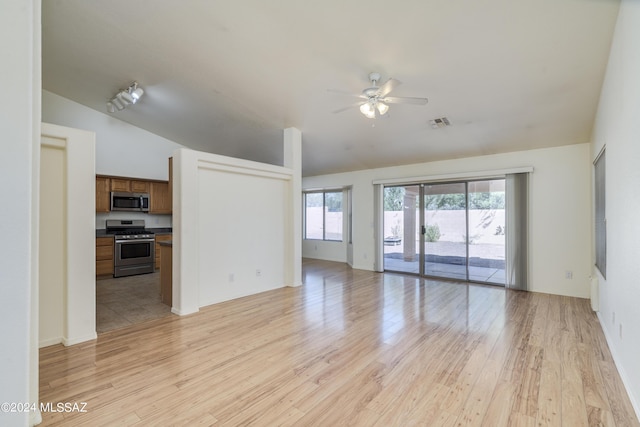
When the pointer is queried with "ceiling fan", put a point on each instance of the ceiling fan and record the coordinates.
(375, 98)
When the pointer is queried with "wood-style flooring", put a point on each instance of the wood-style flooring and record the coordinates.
(349, 347)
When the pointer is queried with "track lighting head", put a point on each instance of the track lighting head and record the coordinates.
(125, 97)
(137, 92)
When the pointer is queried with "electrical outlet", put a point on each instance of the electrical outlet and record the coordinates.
(613, 317)
(258, 273)
(568, 274)
(232, 277)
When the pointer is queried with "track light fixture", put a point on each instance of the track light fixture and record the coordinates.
(125, 97)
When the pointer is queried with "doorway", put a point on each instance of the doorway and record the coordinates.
(451, 230)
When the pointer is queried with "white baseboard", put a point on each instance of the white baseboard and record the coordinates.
(77, 340)
(35, 417)
(621, 371)
(50, 341)
(183, 313)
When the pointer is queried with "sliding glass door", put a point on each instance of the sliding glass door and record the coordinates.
(445, 230)
(450, 230)
(487, 225)
(401, 229)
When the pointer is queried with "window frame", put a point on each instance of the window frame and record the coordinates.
(324, 212)
(600, 212)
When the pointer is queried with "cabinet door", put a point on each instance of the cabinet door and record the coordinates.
(160, 199)
(104, 256)
(171, 183)
(103, 198)
(160, 238)
(139, 186)
(118, 184)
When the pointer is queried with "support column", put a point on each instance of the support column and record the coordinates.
(293, 160)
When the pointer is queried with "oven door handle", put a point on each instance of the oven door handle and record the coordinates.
(136, 241)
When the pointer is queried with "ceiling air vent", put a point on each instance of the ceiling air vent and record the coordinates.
(439, 123)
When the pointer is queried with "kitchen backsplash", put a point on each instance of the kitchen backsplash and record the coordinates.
(150, 220)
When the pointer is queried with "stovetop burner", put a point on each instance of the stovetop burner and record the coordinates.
(134, 231)
(129, 229)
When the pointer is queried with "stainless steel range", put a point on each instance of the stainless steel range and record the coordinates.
(134, 249)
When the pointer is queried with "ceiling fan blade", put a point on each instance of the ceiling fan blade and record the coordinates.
(357, 104)
(404, 100)
(388, 86)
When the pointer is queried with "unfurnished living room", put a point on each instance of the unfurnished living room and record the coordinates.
(320, 213)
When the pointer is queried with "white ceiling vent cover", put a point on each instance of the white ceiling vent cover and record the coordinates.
(439, 123)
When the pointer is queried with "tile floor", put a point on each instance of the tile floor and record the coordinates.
(125, 301)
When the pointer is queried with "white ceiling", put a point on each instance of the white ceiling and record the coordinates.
(228, 76)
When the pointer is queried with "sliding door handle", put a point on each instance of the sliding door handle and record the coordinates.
(423, 230)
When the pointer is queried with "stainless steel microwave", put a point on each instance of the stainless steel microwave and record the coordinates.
(136, 202)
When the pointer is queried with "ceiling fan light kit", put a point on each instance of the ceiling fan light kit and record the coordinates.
(125, 97)
(376, 99)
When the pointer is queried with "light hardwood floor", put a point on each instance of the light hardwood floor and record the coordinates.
(349, 347)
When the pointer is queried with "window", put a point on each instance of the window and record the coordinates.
(601, 218)
(323, 215)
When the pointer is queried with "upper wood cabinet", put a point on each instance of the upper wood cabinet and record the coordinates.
(103, 198)
(160, 198)
(139, 186)
(121, 184)
(159, 191)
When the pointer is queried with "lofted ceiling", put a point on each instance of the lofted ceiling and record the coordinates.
(228, 76)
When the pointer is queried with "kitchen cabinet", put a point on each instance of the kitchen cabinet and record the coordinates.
(121, 184)
(139, 186)
(160, 197)
(171, 183)
(103, 196)
(166, 291)
(159, 191)
(104, 257)
(160, 238)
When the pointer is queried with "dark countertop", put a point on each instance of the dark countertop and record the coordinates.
(166, 230)
(166, 243)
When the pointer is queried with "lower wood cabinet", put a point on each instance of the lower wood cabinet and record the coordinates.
(104, 257)
(160, 238)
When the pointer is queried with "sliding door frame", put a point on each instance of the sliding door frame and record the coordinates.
(422, 225)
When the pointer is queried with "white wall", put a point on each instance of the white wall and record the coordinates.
(233, 228)
(121, 149)
(560, 203)
(19, 163)
(67, 277)
(241, 231)
(617, 127)
(53, 241)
